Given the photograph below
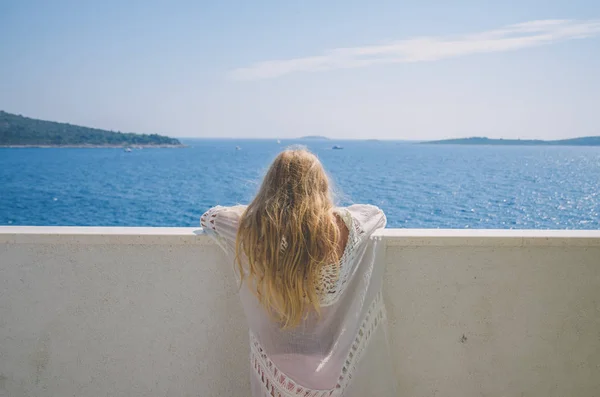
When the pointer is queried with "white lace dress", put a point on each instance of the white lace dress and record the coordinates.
(342, 352)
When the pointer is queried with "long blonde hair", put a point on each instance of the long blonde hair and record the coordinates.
(286, 234)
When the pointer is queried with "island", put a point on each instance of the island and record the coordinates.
(583, 141)
(20, 131)
(313, 138)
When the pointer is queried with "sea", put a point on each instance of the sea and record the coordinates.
(417, 185)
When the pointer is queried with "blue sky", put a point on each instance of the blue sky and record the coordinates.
(345, 69)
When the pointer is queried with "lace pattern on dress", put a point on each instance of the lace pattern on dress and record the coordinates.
(277, 384)
(208, 220)
(335, 276)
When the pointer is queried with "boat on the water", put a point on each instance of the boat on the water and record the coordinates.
(128, 149)
(238, 148)
(278, 141)
(337, 147)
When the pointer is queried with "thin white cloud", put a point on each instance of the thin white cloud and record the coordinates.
(423, 49)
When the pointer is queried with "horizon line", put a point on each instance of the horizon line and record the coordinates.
(325, 139)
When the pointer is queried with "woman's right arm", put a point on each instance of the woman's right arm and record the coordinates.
(221, 223)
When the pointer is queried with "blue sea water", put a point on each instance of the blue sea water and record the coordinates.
(418, 186)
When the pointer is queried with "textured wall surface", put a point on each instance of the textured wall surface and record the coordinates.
(498, 317)
(154, 312)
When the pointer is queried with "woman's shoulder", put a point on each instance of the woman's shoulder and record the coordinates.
(369, 217)
(365, 210)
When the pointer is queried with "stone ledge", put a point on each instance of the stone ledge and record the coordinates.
(393, 237)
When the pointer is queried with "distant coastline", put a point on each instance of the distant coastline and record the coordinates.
(90, 146)
(583, 141)
(314, 138)
(17, 131)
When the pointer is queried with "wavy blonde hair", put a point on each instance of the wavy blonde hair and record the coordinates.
(286, 234)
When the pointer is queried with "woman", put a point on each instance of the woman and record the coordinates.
(310, 285)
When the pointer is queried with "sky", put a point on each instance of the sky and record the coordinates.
(277, 69)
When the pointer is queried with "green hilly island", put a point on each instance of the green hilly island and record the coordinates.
(20, 131)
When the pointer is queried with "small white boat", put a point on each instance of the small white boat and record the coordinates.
(238, 148)
(278, 141)
(336, 147)
(128, 150)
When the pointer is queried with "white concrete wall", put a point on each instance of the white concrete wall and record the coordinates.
(153, 312)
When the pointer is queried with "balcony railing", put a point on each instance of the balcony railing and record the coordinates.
(155, 312)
